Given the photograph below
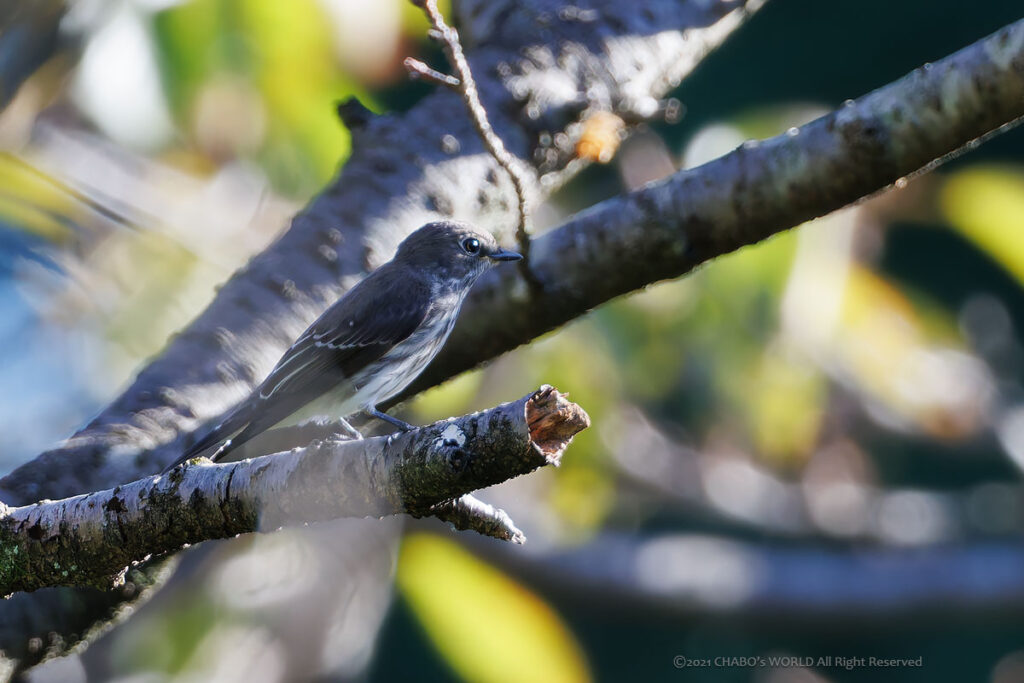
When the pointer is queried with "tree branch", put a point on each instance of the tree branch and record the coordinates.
(666, 229)
(90, 539)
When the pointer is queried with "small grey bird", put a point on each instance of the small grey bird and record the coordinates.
(373, 341)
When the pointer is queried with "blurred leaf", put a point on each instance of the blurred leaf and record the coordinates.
(576, 360)
(735, 318)
(28, 200)
(582, 500)
(787, 406)
(882, 345)
(415, 21)
(192, 43)
(782, 399)
(295, 69)
(489, 628)
(758, 267)
(768, 120)
(645, 336)
(165, 641)
(153, 272)
(986, 205)
(32, 219)
(451, 398)
(284, 51)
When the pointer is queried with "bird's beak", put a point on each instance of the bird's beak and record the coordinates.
(502, 255)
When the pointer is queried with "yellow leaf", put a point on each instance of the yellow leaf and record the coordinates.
(32, 219)
(34, 202)
(489, 628)
(882, 345)
(582, 498)
(785, 401)
(986, 205)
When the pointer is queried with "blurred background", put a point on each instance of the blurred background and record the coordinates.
(809, 448)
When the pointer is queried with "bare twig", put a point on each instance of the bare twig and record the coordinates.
(470, 513)
(418, 69)
(466, 87)
(89, 539)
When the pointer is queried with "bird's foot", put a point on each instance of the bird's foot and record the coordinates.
(350, 431)
(402, 426)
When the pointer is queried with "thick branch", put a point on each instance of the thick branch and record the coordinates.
(89, 539)
(759, 189)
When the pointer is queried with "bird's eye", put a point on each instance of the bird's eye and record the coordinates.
(471, 245)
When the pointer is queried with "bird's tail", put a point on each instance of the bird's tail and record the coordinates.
(237, 420)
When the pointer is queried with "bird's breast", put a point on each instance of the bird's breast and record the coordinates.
(404, 363)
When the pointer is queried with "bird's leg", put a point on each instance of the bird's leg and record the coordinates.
(351, 431)
(373, 412)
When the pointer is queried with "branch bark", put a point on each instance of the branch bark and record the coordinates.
(88, 540)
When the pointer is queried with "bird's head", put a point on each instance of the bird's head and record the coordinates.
(453, 251)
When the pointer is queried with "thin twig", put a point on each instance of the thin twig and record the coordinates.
(466, 87)
(418, 69)
(472, 514)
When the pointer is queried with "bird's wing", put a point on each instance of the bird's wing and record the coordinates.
(375, 316)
